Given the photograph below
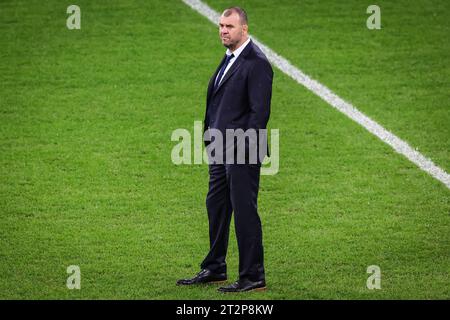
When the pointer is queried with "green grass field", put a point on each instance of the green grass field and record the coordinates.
(87, 179)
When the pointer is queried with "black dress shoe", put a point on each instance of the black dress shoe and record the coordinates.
(204, 276)
(244, 285)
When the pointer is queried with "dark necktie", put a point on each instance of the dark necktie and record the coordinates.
(222, 70)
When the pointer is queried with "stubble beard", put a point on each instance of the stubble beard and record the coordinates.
(231, 45)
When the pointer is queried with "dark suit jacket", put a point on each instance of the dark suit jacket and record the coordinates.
(242, 99)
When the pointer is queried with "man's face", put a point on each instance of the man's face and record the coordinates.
(231, 31)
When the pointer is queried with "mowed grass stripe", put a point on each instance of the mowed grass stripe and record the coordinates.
(87, 178)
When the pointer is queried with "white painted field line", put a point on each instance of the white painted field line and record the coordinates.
(335, 101)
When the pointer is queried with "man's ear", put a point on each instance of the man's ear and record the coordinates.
(245, 28)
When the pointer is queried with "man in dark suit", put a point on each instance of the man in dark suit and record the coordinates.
(238, 97)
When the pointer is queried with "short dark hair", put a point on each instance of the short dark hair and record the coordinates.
(241, 12)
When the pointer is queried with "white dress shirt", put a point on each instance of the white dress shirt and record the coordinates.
(236, 53)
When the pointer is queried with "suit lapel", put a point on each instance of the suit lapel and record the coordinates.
(230, 72)
(212, 80)
(234, 67)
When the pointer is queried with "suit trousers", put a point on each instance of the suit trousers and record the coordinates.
(234, 188)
